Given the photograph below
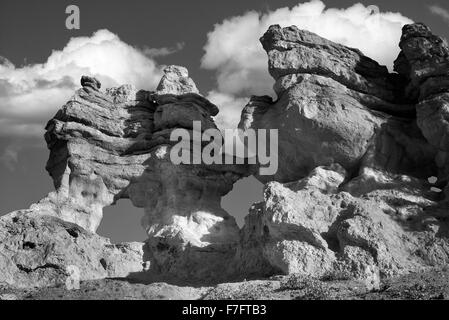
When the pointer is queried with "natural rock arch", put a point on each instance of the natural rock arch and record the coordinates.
(114, 145)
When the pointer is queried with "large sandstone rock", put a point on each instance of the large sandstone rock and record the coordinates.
(356, 148)
(335, 106)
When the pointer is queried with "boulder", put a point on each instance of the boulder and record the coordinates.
(42, 250)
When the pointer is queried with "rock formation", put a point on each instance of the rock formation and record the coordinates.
(356, 148)
(424, 64)
(105, 146)
(351, 197)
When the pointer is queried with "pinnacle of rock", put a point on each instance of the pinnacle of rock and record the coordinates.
(176, 80)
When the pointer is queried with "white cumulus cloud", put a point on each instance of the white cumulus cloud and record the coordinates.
(234, 51)
(31, 94)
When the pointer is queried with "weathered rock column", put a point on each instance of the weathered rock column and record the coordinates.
(424, 63)
(190, 235)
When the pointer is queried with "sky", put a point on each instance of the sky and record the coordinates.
(41, 62)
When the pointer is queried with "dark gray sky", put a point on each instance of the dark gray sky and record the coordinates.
(30, 30)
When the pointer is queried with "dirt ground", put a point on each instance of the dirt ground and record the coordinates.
(416, 286)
